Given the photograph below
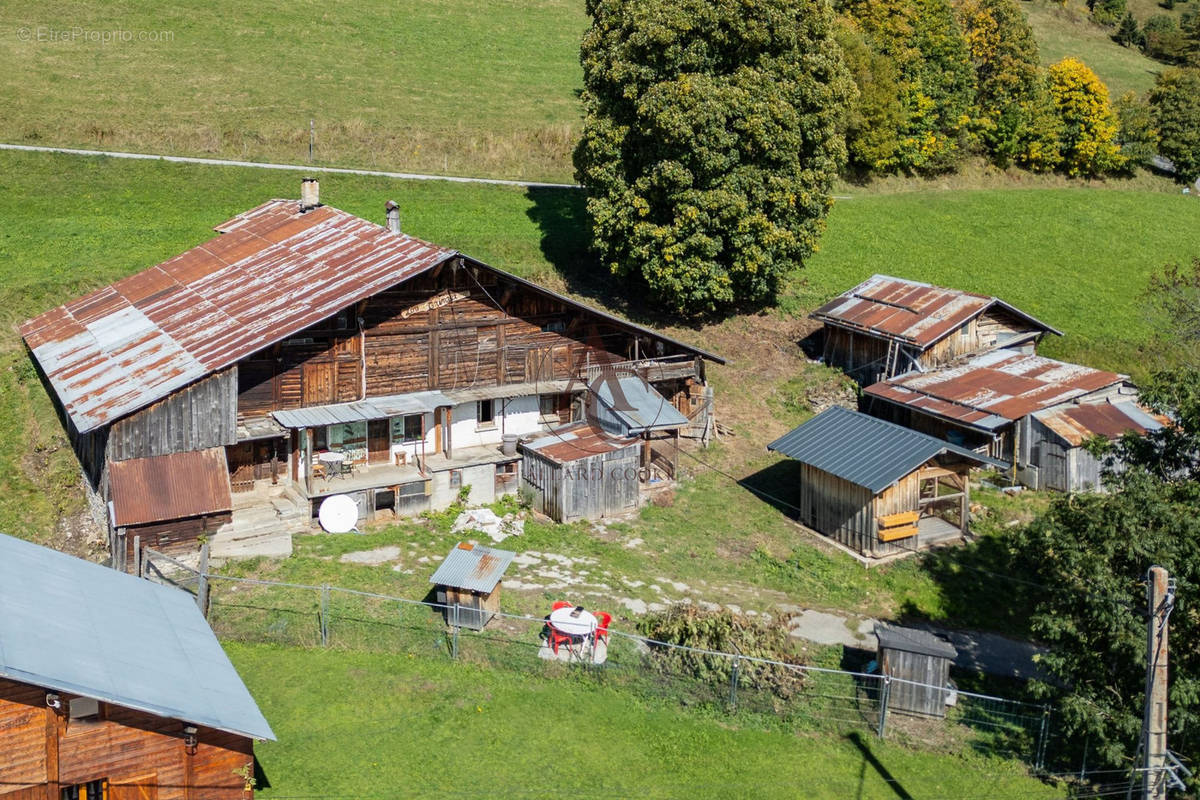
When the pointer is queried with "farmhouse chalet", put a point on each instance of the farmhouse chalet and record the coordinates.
(114, 687)
(324, 354)
(887, 326)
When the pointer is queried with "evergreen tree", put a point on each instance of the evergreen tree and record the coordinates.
(1128, 33)
(1175, 110)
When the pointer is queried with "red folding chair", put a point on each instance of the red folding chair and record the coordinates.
(557, 638)
(561, 604)
(602, 620)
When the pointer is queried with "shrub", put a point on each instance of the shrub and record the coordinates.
(1162, 39)
(1136, 133)
(723, 632)
(711, 139)
(1087, 142)
(1108, 12)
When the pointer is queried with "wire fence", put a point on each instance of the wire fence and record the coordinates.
(776, 693)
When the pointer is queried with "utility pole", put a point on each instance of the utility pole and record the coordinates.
(1161, 598)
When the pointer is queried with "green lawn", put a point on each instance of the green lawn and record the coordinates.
(1067, 29)
(417, 725)
(476, 87)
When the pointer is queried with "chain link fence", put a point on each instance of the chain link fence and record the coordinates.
(775, 693)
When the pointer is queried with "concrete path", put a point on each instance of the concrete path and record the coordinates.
(221, 162)
(982, 652)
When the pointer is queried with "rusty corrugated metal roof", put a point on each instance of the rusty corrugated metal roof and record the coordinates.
(272, 272)
(575, 441)
(917, 313)
(168, 487)
(1077, 424)
(472, 567)
(993, 389)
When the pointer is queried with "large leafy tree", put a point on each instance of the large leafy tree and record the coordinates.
(712, 135)
(1014, 117)
(1092, 552)
(1088, 140)
(1175, 109)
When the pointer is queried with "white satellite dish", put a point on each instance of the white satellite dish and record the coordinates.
(338, 514)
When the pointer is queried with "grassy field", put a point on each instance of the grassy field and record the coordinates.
(374, 726)
(412, 85)
(1067, 29)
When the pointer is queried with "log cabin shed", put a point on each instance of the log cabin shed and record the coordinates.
(468, 584)
(921, 661)
(1058, 458)
(875, 487)
(887, 326)
(114, 687)
(581, 471)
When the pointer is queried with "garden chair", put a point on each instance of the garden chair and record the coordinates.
(602, 620)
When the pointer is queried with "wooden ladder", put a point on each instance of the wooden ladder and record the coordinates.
(893, 357)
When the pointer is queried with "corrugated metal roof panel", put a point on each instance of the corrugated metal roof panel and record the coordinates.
(1078, 423)
(993, 389)
(167, 487)
(394, 405)
(917, 313)
(472, 567)
(73, 626)
(640, 408)
(864, 450)
(575, 441)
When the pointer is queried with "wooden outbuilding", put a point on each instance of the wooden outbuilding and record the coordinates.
(1058, 457)
(887, 326)
(581, 471)
(875, 487)
(468, 584)
(922, 661)
(114, 688)
(167, 503)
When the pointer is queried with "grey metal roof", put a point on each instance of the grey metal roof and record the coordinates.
(473, 567)
(394, 405)
(864, 450)
(77, 627)
(643, 409)
(911, 640)
(504, 390)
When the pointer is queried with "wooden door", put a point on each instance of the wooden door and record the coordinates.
(379, 441)
(319, 386)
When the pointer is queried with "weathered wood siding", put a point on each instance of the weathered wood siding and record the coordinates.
(1060, 466)
(837, 508)
(441, 330)
(934, 671)
(588, 488)
(962, 342)
(176, 537)
(196, 417)
(859, 355)
(142, 756)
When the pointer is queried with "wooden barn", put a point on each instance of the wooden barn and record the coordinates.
(167, 503)
(887, 326)
(580, 471)
(987, 403)
(114, 688)
(875, 487)
(922, 662)
(1058, 458)
(325, 354)
(468, 584)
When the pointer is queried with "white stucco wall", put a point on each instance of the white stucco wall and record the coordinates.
(518, 415)
(481, 479)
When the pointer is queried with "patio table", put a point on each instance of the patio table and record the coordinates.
(577, 627)
(333, 462)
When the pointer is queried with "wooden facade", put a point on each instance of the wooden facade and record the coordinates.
(131, 754)
(587, 487)
(921, 662)
(926, 506)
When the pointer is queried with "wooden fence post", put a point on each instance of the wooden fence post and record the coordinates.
(202, 585)
(137, 555)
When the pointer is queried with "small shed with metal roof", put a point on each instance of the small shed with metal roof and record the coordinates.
(581, 471)
(468, 584)
(167, 503)
(107, 680)
(876, 487)
(1058, 457)
(919, 664)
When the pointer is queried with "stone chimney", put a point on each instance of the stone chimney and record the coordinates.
(393, 216)
(310, 194)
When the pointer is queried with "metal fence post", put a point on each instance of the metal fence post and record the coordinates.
(454, 639)
(885, 689)
(733, 682)
(324, 615)
(1040, 759)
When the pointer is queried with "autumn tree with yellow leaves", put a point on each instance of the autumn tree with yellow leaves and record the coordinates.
(1088, 139)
